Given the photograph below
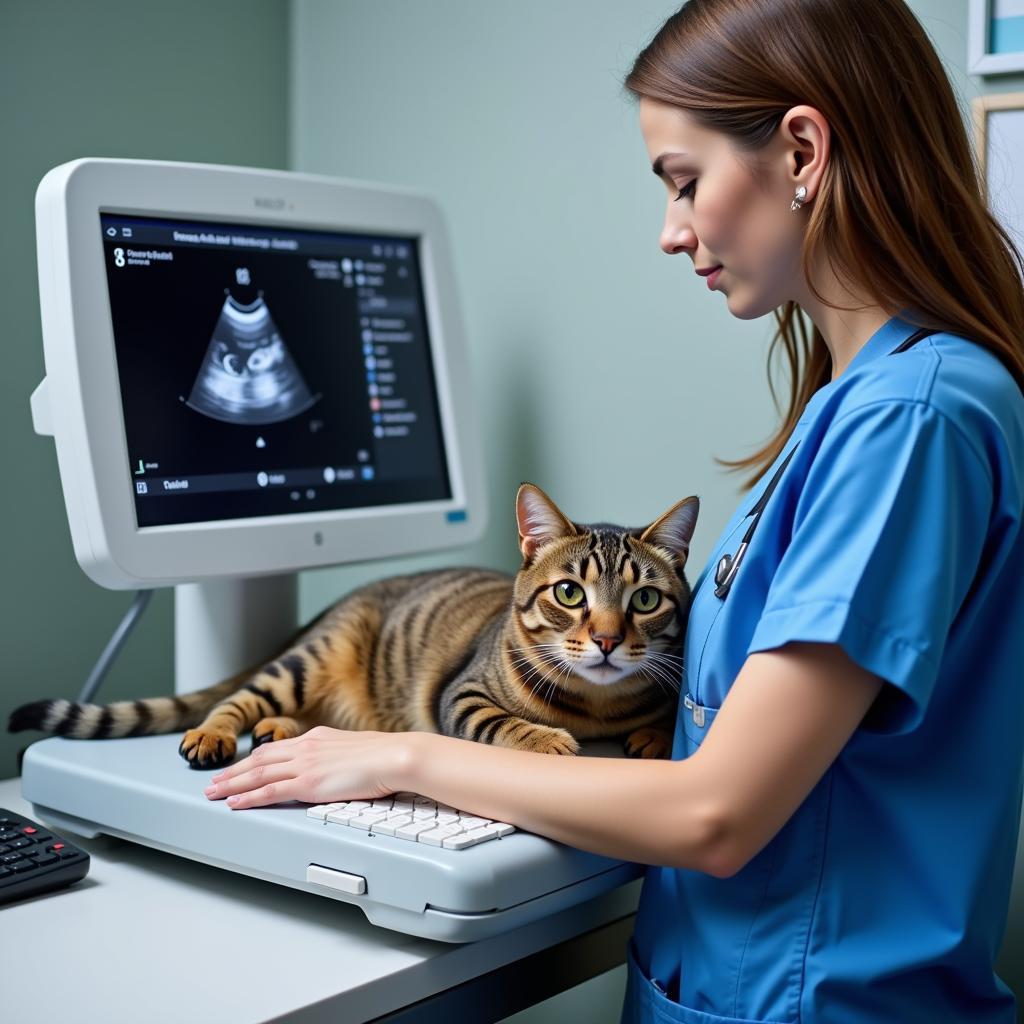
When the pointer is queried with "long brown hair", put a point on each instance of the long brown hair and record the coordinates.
(900, 209)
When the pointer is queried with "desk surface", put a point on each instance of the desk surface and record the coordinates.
(147, 936)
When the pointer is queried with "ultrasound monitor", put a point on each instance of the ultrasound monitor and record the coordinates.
(249, 373)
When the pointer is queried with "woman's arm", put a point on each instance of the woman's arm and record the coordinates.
(785, 719)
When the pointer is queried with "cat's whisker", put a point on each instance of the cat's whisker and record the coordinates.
(655, 653)
(676, 663)
(535, 647)
(664, 659)
(670, 672)
(657, 674)
(536, 687)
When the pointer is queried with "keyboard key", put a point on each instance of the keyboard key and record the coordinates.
(390, 825)
(461, 841)
(344, 815)
(499, 828)
(366, 819)
(322, 810)
(22, 865)
(413, 829)
(437, 836)
(481, 834)
(471, 821)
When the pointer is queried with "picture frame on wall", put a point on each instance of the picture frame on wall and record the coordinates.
(999, 145)
(995, 37)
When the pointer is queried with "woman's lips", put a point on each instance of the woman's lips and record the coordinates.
(713, 277)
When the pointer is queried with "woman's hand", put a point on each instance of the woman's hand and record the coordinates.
(321, 766)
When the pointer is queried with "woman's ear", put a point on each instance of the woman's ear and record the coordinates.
(540, 520)
(806, 137)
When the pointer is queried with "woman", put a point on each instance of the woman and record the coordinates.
(839, 817)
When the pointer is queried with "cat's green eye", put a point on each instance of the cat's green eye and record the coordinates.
(569, 593)
(646, 599)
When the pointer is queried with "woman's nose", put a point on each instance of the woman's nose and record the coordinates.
(677, 235)
(677, 231)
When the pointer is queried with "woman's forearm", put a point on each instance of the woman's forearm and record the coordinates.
(647, 811)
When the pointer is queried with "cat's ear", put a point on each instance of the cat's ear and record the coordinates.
(539, 519)
(674, 529)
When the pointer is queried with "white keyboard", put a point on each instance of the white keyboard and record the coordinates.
(416, 818)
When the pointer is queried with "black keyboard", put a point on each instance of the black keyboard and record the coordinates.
(34, 859)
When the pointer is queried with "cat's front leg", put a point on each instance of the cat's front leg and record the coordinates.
(208, 748)
(469, 712)
(281, 727)
(520, 734)
(650, 741)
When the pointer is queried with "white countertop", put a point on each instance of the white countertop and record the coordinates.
(150, 937)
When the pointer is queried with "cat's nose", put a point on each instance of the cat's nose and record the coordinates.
(607, 641)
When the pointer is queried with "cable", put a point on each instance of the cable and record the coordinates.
(114, 645)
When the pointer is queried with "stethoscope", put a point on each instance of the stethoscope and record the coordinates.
(728, 565)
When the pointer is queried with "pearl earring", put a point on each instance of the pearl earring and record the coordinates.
(798, 198)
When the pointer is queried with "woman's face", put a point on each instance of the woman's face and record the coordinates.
(721, 215)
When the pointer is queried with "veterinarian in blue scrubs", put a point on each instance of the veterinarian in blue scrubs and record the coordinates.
(893, 529)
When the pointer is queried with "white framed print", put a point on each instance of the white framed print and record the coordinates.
(995, 37)
(999, 145)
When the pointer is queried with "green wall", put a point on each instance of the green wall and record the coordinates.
(189, 80)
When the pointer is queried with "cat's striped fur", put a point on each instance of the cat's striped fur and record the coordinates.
(467, 652)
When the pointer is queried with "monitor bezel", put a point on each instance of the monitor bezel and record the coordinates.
(84, 394)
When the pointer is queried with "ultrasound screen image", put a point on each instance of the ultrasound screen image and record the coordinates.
(248, 374)
(268, 371)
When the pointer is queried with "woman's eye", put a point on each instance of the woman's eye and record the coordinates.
(646, 599)
(568, 593)
(687, 191)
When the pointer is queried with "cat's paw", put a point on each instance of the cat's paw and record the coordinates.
(648, 743)
(207, 748)
(267, 730)
(549, 741)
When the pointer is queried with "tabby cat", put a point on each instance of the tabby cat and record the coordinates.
(585, 641)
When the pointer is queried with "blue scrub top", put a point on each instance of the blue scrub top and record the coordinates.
(894, 532)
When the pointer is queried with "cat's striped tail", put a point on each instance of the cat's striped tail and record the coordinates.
(124, 717)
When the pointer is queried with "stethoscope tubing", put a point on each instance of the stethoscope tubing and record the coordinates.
(728, 565)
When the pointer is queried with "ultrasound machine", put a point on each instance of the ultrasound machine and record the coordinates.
(250, 373)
